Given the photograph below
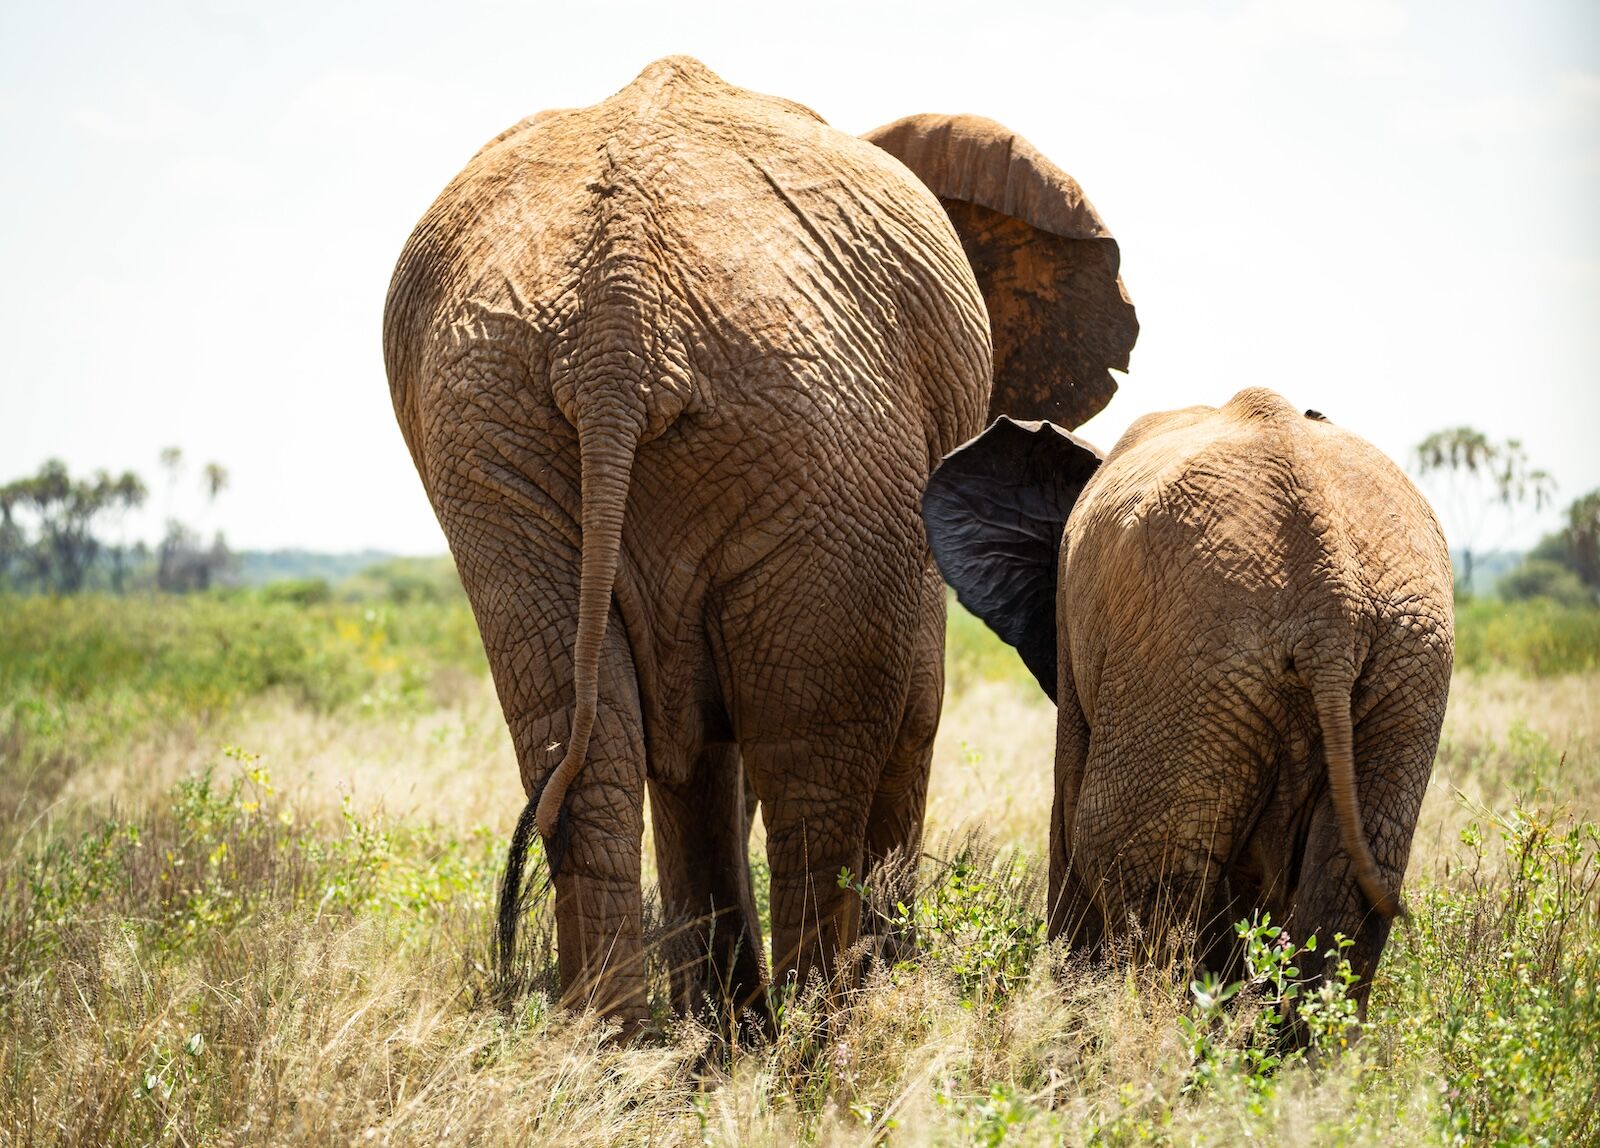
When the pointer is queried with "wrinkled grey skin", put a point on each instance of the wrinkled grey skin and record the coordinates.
(674, 369)
(1252, 614)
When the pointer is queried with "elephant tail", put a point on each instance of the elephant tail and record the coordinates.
(1333, 714)
(511, 896)
(606, 452)
(606, 462)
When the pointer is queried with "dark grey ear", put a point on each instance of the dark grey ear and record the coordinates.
(995, 510)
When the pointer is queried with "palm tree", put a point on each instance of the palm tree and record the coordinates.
(1480, 478)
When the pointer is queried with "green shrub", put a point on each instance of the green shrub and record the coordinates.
(78, 673)
(1538, 637)
(297, 591)
(1541, 578)
(1496, 980)
(975, 914)
(1243, 1044)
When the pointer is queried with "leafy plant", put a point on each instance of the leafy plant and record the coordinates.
(1250, 1044)
(975, 915)
(1499, 978)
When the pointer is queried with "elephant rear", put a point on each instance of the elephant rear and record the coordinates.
(673, 369)
(1292, 670)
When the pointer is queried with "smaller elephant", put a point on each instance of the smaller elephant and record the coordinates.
(1244, 615)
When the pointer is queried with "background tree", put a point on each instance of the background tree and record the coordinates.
(12, 539)
(64, 514)
(183, 560)
(1480, 486)
(171, 459)
(1583, 538)
(215, 480)
(1574, 550)
(60, 534)
(130, 492)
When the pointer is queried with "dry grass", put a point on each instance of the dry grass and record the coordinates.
(453, 766)
(1507, 738)
(321, 979)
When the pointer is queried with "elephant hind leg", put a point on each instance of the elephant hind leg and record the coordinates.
(1329, 901)
(814, 652)
(814, 831)
(1072, 912)
(1147, 861)
(1127, 866)
(894, 822)
(1394, 747)
(1165, 913)
(598, 904)
(702, 830)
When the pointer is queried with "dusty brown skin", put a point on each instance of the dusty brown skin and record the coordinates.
(674, 369)
(1253, 622)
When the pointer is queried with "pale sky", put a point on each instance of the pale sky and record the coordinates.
(1388, 211)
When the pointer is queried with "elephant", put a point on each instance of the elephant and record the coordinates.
(1244, 616)
(674, 369)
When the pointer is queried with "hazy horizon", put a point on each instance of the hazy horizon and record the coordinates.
(1383, 210)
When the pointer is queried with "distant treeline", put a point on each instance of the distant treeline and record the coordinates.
(62, 533)
(1565, 566)
(390, 579)
(259, 567)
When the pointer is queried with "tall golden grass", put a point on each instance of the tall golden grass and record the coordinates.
(295, 951)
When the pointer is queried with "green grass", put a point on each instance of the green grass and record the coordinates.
(1538, 637)
(203, 654)
(254, 953)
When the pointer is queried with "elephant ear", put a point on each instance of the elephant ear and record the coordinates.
(995, 509)
(1046, 264)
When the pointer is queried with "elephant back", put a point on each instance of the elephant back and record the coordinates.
(763, 248)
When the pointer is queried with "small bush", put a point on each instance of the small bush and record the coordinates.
(297, 591)
(1497, 982)
(1538, 637)
(1540, 578)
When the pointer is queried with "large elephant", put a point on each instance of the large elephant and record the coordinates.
(1244, 616)
(674, 370)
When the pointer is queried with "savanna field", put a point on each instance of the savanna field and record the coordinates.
(249, 852)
